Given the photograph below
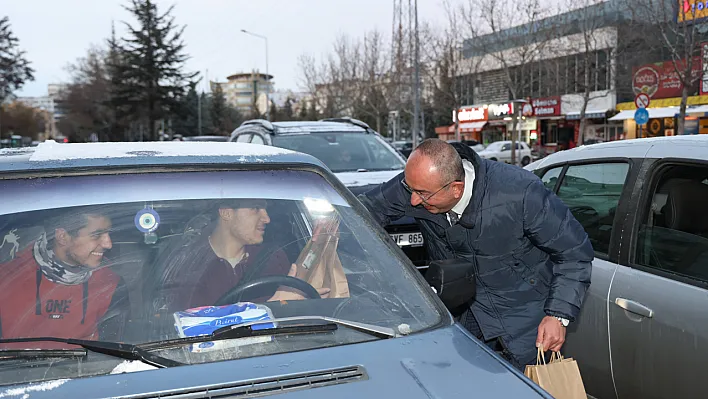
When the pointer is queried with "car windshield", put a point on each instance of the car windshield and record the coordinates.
(135, 258)
(344, 152)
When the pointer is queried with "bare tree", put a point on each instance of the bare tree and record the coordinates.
(447, 73)
(678, 30)
(587, 33)
(525, 43)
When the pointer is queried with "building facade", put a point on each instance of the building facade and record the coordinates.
(247, 91)
(589, 61)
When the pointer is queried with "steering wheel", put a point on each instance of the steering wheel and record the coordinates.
(234, 294)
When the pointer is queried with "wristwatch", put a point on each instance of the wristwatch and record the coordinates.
(563, 321)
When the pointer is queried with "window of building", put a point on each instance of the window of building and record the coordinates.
(592, 192)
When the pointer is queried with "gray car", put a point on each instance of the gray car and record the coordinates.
(387, 335)
(642, 329)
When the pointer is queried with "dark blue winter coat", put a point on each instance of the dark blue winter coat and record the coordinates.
(532, 257)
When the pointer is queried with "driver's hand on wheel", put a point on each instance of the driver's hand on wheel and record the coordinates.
(289, 294)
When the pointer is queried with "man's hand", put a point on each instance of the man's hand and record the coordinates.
(291, 294)
(551, 334)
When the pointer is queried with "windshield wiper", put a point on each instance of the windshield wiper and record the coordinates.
(241, 331)
(246, 330)
(116, 349)
(377, 331)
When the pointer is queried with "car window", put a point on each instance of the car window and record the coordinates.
(674, 235)
(344, 152)
(592, 192)
(506, 147)
(550, 178)
(140, 250)
(257, 139)
(244, 138)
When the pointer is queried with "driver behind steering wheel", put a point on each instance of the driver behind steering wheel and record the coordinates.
(199, 273)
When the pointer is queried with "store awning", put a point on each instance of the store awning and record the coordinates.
(666, 112)
(700, 111)
(589, 114)
(470, 127)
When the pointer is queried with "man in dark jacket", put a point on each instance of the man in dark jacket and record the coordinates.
(532, 258)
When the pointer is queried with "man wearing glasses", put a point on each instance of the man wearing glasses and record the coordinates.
(532, 258)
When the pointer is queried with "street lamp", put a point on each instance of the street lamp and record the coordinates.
(518, 128)
(267, 74)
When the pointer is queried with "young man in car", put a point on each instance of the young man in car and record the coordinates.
(57, 286)
(202, 271)
(531, 257)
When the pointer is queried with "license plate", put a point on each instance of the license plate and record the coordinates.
(408, 239)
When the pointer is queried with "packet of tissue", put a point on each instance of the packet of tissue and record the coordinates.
(207, 319)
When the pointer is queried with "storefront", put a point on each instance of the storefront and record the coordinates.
(598, 128)
(663, 86)
(472, 120)
(499, 127)
(550, 124)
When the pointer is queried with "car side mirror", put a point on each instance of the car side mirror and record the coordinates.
(453, 280)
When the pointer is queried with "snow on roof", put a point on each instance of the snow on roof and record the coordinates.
(53, 151)
(315, 127)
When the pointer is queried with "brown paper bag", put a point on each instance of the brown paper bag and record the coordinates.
(560, 377)
(319, 264)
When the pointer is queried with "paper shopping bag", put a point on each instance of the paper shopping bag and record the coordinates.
(319, 263)
(560, 377)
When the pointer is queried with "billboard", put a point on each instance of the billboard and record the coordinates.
(691, 10)
(660, 80)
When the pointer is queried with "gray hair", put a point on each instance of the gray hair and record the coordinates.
(444, 157)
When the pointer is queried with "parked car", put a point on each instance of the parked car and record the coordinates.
(390, 336)
(205, 138)
(473, 144)
(356, 154)
(642, 330)
(501, 151)
(404, 147)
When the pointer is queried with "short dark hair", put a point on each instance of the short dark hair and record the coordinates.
(73, 219)
(444, 157)
(238, 203)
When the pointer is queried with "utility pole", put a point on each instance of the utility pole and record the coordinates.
(416, 85)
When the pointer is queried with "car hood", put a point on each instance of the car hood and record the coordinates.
(444, 363)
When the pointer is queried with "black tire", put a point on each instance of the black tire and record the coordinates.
(525, 161)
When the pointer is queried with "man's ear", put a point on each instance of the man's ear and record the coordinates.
(458, 188)
(61, 237)
(226, 213)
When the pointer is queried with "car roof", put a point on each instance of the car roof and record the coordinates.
(51, 155)
(316, 127)
(656, 147)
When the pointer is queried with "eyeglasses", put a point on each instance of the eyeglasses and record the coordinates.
(418, 193)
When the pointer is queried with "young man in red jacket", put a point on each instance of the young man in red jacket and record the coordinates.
(56, 287)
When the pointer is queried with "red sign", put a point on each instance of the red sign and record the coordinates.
(660, 80)
(472, 114)
(549, 106)
(642, 100)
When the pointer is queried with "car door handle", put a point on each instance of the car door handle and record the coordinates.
(634, 307)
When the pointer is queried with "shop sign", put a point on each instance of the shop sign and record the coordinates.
(691, 10)
(500, 110)
(660, 80)
(549, 106)
(471, 114)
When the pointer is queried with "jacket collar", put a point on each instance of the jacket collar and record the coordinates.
(469, 216)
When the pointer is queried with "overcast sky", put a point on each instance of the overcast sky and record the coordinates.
(55, 33)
